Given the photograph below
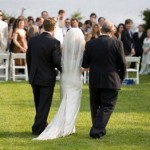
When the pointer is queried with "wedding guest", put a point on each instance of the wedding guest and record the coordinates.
(139, 37)
(3, 35)
(93, 17)
(120, 28)
(26, 27)
(10, 33)
(95, 33)
(113, 33)
(127, 38)
(35, 29)
(87, 27)
(58, 34)
(101, 21)
(19, 40)
(74, 23)
(80, 25)
(30, 20)
(145, 65)
(60, 18)
(44, 14)
(10, 26)
(67, 26)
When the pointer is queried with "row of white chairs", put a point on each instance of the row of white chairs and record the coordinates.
(8, 68)
(129, 60)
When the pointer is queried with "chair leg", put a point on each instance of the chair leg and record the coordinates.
(26, 74)
(6, 74)
(84, 78)
(13, 74)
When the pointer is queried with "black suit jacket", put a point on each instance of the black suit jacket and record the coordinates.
(106, 61)
(128, 42)
(43, 56)
(138, 42)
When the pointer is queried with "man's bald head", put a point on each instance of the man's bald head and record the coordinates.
(107, 27)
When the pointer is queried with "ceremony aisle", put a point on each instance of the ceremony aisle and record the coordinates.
(128, 129)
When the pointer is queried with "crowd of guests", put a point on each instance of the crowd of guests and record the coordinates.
(16, 32)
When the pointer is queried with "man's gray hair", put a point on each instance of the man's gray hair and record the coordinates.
(107, 27)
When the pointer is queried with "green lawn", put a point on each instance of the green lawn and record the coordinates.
(128, 128)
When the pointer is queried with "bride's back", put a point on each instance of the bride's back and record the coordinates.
(72, 54)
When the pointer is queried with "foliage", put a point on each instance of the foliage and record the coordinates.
(6, 16)
(146, 18)
(128, 128)
(77, 14)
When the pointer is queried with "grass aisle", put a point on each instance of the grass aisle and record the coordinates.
(128, 129)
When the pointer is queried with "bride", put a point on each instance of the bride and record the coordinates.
(71, 87)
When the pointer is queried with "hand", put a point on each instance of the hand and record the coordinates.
(132, 52)
(81, 69)
(84, 69)
(23, 50)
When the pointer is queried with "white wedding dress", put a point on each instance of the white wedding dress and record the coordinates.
(71, 87)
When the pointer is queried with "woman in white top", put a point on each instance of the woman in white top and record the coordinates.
(145, 65)
(71, 87)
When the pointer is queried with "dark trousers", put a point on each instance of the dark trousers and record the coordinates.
(42, 99)
(102, 103)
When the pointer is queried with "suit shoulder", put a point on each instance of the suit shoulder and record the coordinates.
(124, 31)
(34, 38)
(55, 40)
(117, 42)
(89, 43)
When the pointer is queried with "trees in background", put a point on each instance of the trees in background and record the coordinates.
(146, 18)
(77, 14)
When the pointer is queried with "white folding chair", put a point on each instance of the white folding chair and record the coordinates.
(15, 67)
(58, 74)
(4, 67)
(85, 77)
(135, 60)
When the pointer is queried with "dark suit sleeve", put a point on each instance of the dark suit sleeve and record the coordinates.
(85, 62)
(135, 36)
(56, 56)
(28, 56)
(121, 62)
(126, 41)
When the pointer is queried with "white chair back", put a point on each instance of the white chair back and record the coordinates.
(15, 67)
(4, 66)
(135, 60)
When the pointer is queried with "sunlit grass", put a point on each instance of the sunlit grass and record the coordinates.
(128, 128)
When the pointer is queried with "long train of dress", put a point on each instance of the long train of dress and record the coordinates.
(64, 121)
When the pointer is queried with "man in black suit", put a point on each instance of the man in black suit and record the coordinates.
(138, 41)
(105, 59)
(127, 38)
(43, 56)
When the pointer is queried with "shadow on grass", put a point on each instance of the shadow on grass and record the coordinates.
(8, 134)
(116, 137)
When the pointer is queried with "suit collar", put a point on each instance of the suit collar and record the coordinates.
(46, 34)
(104, 35)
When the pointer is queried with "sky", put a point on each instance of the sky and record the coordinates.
(113, 10)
